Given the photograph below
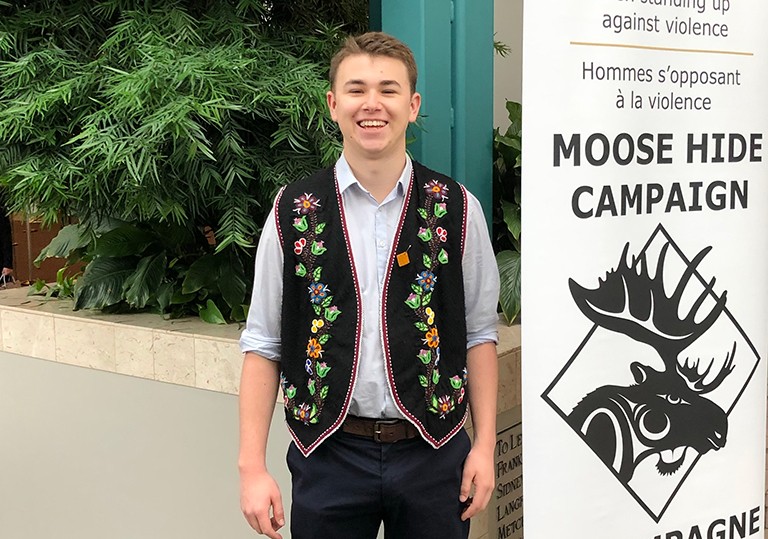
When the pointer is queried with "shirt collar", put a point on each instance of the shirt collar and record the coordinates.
(346, 178)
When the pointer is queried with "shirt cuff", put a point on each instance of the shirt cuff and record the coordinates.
(482, 338)
(264, 347)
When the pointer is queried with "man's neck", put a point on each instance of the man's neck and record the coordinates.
(377, 176)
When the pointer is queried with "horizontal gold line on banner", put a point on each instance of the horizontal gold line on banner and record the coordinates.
(649, 48)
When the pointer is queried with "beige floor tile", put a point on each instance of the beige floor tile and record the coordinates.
(84, 343)
(174, 356)
(217, 365)
(28, 334)
(134, 351)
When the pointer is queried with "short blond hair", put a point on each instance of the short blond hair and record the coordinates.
(375, 44)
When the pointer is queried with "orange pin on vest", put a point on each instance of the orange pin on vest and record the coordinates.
(403, 259)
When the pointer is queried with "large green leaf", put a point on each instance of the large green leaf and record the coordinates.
(102, 283)
(512, 142)
(174, 237)
(211, 313)
(180, 298)
(68, 239)
(515, 115)
(202, 273)
(144, 282)
(164, 295)
(126, 240)
(509, 273)
(511, 217)
(231, 282)
(105, 223)
(239, 313)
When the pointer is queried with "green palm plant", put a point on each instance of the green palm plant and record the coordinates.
(163, 133)
(507, 195)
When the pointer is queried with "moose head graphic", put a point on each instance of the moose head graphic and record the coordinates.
(666, 413)
(652, 386)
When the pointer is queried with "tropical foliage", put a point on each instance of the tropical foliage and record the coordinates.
(163, 131)
(507, 192)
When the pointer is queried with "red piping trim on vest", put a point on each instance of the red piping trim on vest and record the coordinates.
(464, 220)
(277, 216)
(306, 451)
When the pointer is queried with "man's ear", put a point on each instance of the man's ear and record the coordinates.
(415, 106)
(330, 98)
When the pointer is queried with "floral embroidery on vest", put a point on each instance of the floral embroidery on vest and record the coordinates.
(434, 236)
(308, 248)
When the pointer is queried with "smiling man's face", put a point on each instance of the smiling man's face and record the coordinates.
(371, 100)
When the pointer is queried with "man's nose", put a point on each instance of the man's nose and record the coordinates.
(372, 101)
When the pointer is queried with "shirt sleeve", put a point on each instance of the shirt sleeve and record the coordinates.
(262, 329)
(481, 278)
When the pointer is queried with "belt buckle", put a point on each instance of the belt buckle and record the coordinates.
(377, 428)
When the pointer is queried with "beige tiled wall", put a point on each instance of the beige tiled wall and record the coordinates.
(29, 334)
(187, 352)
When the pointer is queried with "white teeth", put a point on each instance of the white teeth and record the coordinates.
(372, 123)
(671, 456)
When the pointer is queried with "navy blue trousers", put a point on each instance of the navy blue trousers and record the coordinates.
(349, 485)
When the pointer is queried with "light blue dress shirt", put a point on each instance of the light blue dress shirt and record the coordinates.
(372, 227)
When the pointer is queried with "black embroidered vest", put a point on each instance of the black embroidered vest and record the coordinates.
(423, 315)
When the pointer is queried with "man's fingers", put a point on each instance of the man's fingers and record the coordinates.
(466, 485)
(266, 526)
(279, 513)
(478, 502)
(253, 522)
(263, 524)
(465, 511)
(482, 496)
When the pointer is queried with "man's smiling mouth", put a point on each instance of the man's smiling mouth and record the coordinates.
(371, 123)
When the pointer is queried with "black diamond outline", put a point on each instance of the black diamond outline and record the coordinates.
(545, 396)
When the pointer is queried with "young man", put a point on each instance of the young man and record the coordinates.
(374, 308)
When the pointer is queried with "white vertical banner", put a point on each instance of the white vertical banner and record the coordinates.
(645, 263)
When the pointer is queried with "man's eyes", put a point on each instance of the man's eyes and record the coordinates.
(359, 91)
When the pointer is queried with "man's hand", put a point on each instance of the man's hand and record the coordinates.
(482, 370)
(478, 472)
(258, 490)
(258, 494)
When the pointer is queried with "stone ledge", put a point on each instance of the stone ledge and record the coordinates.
(186, 351)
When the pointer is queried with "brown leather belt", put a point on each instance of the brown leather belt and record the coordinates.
(386, 431)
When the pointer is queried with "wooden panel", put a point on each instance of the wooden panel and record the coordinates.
(40, 237)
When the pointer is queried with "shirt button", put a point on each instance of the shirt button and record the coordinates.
(381, 244)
